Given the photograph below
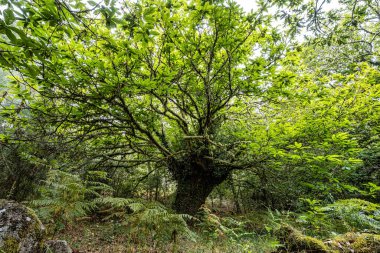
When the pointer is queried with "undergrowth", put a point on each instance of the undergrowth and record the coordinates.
(136, 225)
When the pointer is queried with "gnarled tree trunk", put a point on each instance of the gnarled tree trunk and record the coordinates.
(195, 179)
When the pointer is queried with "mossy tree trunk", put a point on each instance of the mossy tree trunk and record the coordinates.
(195, 181)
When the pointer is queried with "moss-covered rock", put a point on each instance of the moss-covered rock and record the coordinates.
(20, 229)
(294, 241)
(356, 242)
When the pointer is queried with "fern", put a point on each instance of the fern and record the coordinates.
(64, 198)
(114, 202)
(343, 216)
(355, 214)
(147, 219)
(216, 227)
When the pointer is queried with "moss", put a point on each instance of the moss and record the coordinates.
(24, 231)
(38, 226)
(357, 242)
(308, 242)
(367, 243)
(11, 245)
(294, 241)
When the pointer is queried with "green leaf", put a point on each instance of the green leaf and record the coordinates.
(10, 35)
(19, 32)
(4, 62)
(9, 17)
(92, 3)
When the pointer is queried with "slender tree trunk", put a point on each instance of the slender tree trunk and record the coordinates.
(235, 195)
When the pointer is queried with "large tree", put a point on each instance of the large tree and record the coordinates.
(164, 82)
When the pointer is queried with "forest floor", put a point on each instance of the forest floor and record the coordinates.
(108, 237)
(94, 237)
(112, 237)
(254, 232)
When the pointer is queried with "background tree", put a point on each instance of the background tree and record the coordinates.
(312, 138)
(21, 166)
(342, 33)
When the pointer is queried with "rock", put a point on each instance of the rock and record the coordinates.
(356, 242)
(294, 241)
(57, 246)
(20, 229)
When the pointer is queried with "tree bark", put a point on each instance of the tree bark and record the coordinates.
(235, 195)
(195, 181)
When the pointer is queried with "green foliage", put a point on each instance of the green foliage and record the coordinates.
(276, 219)
(232, 234)
(20, 172)
(341, 34)
(66, 198)
(342, 216)
(20, 175)
(147, 221)
(373, 190)
(315, 145)
(143, 98)
(187, 92)
(356, 242)
(294, 241)
(151, 82)
(63, 198)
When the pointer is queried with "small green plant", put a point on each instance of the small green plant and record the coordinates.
(276, 219)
